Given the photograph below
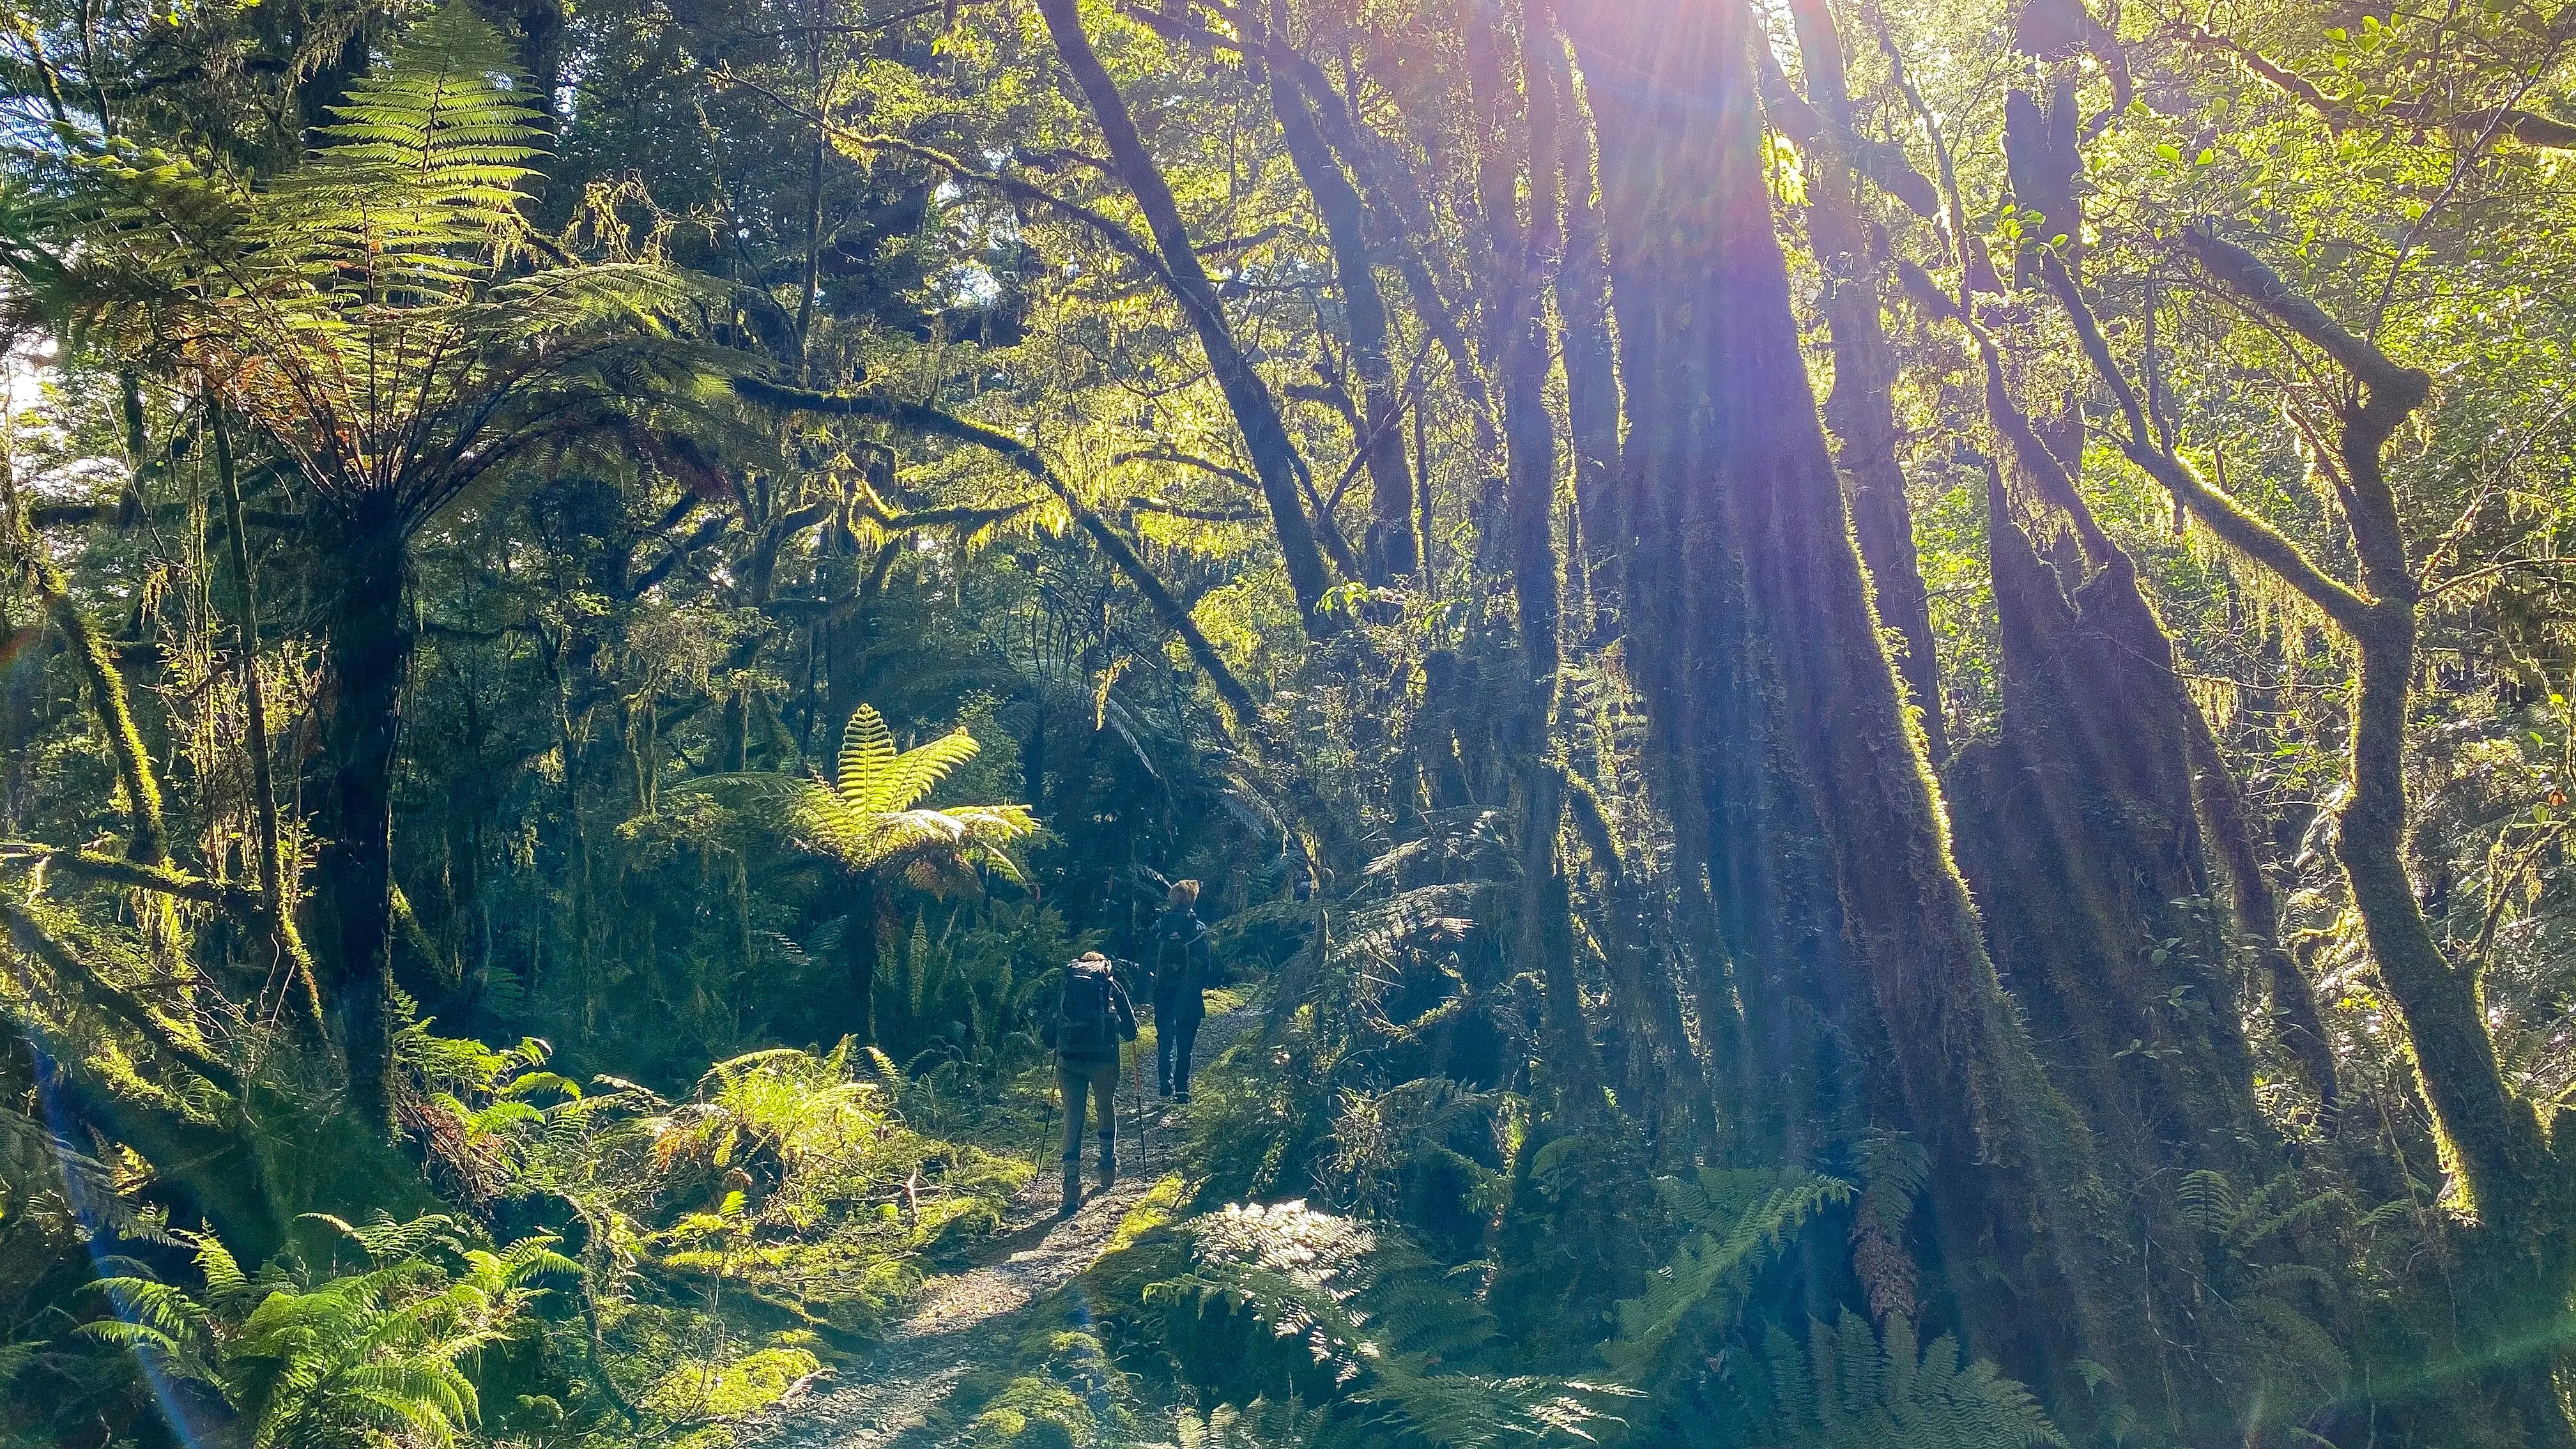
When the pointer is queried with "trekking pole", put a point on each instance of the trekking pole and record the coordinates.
(1136, 1074)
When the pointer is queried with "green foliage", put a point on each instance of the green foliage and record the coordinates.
(379, 1356)
(869, 819)
(47, 1185)
(1736, 1218)
(971, 995)
(869, 815)
(432, 150)
(383, 310)
(1852, 1388)
(792, 1107)
(1424, 1153)
(635, 600)
(1285, 1303)
(473, 1107)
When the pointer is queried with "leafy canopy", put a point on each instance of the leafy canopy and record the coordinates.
(384, 311)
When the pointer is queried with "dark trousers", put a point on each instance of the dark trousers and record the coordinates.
(1094, 1084)
(1176, 1034)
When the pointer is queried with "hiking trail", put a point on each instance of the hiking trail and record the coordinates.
(966, 1321)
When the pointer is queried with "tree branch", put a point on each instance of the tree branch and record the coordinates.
(930, 421)
(30, 937)
(1887, 166)
(2241, 529)
(2528, 127)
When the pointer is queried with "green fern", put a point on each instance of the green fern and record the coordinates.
(1740, 1218)
(384, 311)
(1364, 1331)
(2273, 1293)
(870, 814)
(1851, 1389)
(795, 1105)
(47, 1182)
(364, 1360)
(869, 817)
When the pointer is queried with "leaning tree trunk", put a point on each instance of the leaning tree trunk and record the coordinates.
(367, 649)
(1388, 552)
(1861, 408)
(1256, 412)
(1736, 483)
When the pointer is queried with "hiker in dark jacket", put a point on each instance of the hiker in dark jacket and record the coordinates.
(1092, 1016)
(1183, 965)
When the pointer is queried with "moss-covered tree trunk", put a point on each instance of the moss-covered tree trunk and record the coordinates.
(367, 650)
(1387, 552)
(1582, 285)
(2076, 825)
(1745, 585)
(1861, 409)
(1524, 347)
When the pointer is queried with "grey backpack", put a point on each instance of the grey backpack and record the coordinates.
(1084, 1025)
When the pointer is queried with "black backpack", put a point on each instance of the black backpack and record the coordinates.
(1084, 1025)
(1180, 954)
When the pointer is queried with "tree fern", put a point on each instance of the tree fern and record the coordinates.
(384, 309)
(868, 815)
(875, 777)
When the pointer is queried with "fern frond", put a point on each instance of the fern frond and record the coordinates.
(867, 759)
(1748, 1215)
(916, 772)
(2209, 1201)
(1852, 1389)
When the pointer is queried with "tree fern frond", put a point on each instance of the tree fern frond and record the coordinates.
(440, 134)
(867, 758)
(916, 772)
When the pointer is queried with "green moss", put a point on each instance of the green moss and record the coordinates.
(732, 1390)
(1160, 1204)
(1035, 1413)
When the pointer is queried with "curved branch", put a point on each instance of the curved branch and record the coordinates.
(2529, 127)
(26, 933)
(930, 421)
(2238, 527)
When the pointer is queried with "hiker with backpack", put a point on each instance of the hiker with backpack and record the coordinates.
(1092, 1017)
(1183, 965)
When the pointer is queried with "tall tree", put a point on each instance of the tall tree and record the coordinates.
(384, 318)
(1256, 412)
(1756, 579)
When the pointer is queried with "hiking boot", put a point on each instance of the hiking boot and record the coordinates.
(1184, 1097)
(1108, 1175)
(1072, 1193)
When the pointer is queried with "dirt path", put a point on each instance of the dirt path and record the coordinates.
(967, 1320)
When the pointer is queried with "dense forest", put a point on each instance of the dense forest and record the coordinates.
(1873, 696)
